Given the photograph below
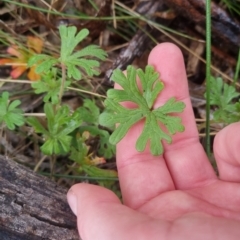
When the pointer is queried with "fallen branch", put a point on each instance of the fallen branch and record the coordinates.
(32, 206)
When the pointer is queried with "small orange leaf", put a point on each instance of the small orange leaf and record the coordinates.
(17, 71)
(32, 75)
(35, 43)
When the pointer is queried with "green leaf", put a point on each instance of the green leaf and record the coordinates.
(38, 127)
(60, 125)
(43, 62)
(144, 98)
(10, 115)
(221, 93)
(83, 60)
(46, 65)
(91, 50)
(58, 145)
(79, 150)
(89, 112)
(38, 58)
(50, 86)
(69, 41)
(223, 97)
(154, 133)
(94, 171)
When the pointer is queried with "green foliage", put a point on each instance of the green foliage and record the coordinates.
(73, 64)
(10, 114)
(79, 149)
(73, 61)
(50, 86)
(44, 63)
(90, 114)
(64, 132)
(94, 171)
(144, 99)
(223, 97)
(84, 59)
(60, 125)
(79, 154)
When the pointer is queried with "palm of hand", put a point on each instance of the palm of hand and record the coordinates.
(174, 196)
(214, 199)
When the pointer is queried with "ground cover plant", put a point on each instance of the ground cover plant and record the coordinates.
(55, 83)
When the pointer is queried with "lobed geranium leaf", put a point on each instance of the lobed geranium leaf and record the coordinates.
(143, 97)
(83, 60)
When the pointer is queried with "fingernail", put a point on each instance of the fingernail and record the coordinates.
(72, 201)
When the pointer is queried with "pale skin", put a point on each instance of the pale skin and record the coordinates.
(176, 196)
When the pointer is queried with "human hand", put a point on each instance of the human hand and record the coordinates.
(173, 196)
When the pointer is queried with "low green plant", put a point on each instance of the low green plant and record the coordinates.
(69, 61)
(223, 98)
(62, 129)
(10, 113)
(60, 124)
(90, 114)
(60, 121)
(155, 120)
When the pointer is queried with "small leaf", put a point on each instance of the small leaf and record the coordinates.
(10, 115)
(50, 86)
(38, 127)
(83, 60)
(46, 65)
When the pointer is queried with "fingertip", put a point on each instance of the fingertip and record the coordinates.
(94, 206)
(90, 193)
(168, 60)
(170, 49)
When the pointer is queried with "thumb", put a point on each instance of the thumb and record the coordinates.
(81, 195)
(101, 215)
(94, 207)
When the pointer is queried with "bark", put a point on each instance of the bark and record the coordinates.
(32, 206)
(224, 27)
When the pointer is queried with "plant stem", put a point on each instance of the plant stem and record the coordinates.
(237, 69)
(63, 82)
(208, 74)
